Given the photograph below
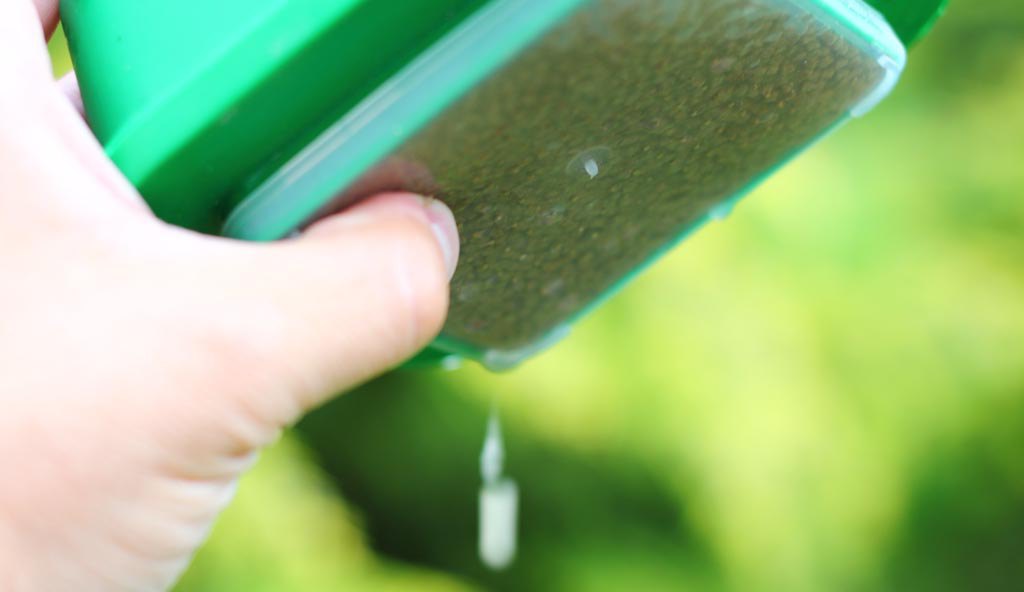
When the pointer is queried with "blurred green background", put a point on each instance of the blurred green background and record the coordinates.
(824, 393)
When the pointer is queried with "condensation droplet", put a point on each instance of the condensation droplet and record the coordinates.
(722, 210)
(467, 292)
(723, 65)
(554, 214)
(589, 163)
(554, 287)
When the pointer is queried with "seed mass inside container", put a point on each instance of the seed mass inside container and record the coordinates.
(615, 132)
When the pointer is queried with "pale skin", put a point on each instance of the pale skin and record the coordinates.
(142, 366)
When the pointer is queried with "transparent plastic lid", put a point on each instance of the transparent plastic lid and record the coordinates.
(576, 141)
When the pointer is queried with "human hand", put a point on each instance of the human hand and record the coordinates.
(142, 366)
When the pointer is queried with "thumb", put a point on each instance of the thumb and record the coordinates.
(357, 294)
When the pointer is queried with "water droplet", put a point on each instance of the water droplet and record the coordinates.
(467, 292)
(589, 163)
(499, 517)
(723, 65)
(492, 458)
(554, 287)
(451, 362)
(501, 360)
(553, 214)
(499, 503)
(722, 210)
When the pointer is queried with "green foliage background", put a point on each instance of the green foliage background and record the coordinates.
(824, 393)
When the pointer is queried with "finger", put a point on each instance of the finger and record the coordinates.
(39, 128)
(45, 141)
(68, 85)
(79, 143)
(48, 15)
(392, 174)
(23, 52)
(357, 294)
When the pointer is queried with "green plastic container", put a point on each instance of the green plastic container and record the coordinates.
(575, 140)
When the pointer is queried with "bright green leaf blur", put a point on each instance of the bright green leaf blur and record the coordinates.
(825, 392)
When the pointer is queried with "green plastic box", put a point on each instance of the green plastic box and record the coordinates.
(575, 140)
